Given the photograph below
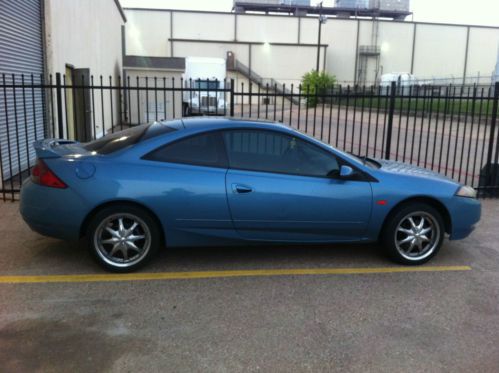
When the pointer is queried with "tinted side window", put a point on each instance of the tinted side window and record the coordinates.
(274, 152)
(206, 149)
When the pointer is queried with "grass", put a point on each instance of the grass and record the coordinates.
(452, 106)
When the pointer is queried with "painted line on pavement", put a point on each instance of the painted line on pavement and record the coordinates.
(221, 274)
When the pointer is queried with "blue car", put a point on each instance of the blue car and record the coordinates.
(220, 181)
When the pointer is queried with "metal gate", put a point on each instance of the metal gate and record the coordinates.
(452, 130)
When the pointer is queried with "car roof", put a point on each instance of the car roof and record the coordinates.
(225, 122)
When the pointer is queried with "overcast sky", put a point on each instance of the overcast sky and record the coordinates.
(476, 12)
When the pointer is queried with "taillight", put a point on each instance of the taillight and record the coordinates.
(41, 174)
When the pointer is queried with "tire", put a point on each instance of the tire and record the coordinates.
(406, 240)
(118, 248)
(187, 111)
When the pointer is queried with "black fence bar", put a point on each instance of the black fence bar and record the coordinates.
(16, 123)
(491, 170)
(390, 121)
(59, 103)
(122, 100)
(450, 129)
(164, 99)
(112, 105)
(92, 99)
(232, 84)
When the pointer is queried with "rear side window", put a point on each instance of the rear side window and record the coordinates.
(122, 139)
(206, 149)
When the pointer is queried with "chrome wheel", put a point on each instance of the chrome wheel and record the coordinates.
(122, 240)
(417, 235)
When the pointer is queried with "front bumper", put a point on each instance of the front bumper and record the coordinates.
(465, 214)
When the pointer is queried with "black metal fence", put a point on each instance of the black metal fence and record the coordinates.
(448, 129)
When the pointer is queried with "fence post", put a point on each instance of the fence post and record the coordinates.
(493, 122)
(232, 97)
(393, 87)
(58, 90)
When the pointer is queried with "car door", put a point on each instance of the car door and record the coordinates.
(280, 187)
(186, 182)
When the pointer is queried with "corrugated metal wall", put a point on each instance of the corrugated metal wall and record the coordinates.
(21, 53)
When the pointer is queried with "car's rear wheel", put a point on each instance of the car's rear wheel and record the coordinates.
(414, 234)
(123, 238)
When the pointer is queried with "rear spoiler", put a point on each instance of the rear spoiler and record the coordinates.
(48, 148)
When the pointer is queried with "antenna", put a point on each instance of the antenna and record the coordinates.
(496, 73)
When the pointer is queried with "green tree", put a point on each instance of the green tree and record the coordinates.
(316, 82)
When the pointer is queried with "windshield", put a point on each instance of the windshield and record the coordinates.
(206, 84)
(369, 162)
(366, 161)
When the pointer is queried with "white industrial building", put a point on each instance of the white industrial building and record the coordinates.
(283, 47)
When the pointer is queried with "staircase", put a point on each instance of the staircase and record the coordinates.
(271, 84)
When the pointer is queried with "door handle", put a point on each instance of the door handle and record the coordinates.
(239, 188)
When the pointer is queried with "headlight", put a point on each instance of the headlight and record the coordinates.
(466, 191)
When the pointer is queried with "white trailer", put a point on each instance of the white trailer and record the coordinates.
(401, 79)
(204, 80)
(404, 81)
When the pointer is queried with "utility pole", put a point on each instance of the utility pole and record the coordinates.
(496, 73)
(322, 19)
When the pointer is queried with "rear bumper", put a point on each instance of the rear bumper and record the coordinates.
(465, 215)
(51, 212)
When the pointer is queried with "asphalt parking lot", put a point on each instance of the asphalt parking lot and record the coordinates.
(280, 309)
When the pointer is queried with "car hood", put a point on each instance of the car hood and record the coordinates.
(411, 170)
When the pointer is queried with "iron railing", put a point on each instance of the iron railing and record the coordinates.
(449, 129)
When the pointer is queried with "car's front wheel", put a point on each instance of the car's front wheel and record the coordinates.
(123, 238)
(414, 233)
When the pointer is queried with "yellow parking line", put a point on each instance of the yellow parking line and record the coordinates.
(221, 274)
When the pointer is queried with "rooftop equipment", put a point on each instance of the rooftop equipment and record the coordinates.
(397, 5)
(394, 9)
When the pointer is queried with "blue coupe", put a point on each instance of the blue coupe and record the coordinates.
(220, 181)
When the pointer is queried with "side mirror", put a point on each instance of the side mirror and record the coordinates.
(346, 172)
